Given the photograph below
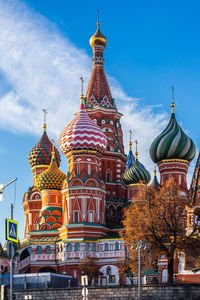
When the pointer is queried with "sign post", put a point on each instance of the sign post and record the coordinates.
(84, 283)
(11, 236)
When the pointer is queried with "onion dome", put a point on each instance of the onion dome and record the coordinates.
(98, 38)
(155, 184)
(137, 173)
(52, 178)
(172, 143)
(41, 152)
(82, 133)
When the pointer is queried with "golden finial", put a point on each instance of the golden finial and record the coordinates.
(173, 104)
(45, 113)
(136, 148)
(98, 38)
(154, 171)
(82, 96)
(130, 143)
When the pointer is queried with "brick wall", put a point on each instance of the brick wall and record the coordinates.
(181, 292)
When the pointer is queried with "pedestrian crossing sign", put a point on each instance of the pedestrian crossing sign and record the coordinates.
(11, 230)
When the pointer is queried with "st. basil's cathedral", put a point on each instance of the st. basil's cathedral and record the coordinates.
(71, 216)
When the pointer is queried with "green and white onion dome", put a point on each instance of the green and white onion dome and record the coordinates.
(172, 143)
(136, 174)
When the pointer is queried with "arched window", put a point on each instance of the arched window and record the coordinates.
(108, 270)
(69, 247)
(111, 211)
(87, 247)
(39, 250)
(108, 179)
(106, 247)
(116, 246)
(48, 249)
(94, 247)
(77, 247)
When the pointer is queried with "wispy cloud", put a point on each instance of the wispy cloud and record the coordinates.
(40, 69)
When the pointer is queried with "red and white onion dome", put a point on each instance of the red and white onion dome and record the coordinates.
(82, 133)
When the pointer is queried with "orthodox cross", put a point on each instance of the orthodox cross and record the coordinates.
(45, 113)
(172, 94)
(98, 12)
(173, 104)
(136, 150)
(82, 82)
(130, 143)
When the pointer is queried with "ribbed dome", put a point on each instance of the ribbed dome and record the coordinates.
(172, 143)
(52, 178)
(98, 38)
(41, 152)
(82, 133)
(137, 173)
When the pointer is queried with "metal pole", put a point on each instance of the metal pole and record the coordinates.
(11, 261)
(139, 272)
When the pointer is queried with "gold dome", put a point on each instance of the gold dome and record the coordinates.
(98, 38)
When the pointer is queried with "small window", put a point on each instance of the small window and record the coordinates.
(94, 247)
(112, 279)
(87, 247)
(48, 249)
(101, 218)
(116, 246)
(39, 250)
(179, 179)
(78, 169)
(89, 169)
(76, 217)
(108, 177)
(170, 176)
(90, 219)
(69, 247)
(108, 270)
(77, 247)
(106, 247)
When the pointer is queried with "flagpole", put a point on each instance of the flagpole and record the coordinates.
(11, 254)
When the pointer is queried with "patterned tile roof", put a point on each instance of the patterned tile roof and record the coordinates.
(82, 133)
(41, 152)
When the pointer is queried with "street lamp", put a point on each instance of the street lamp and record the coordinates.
(139, 245)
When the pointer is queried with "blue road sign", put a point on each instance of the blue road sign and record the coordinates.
(11, 230)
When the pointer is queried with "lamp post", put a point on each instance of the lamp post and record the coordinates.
(139, 245)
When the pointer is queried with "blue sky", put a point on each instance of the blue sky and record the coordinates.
(44, 49)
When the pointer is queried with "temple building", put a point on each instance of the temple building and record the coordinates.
(72, 215)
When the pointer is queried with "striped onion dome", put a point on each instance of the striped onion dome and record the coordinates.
(82, 133)
(52, 178)
(172, 143)
(136, 174)
(41, 152)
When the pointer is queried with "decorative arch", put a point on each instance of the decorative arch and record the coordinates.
(56, 225)
(108, 175)
(45, 226)
(51, 219)
(91, 182)
(76, 182)
(46, 212)
(56, 212)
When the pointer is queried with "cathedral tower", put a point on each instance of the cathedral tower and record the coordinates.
(173, 150)
(102, 109)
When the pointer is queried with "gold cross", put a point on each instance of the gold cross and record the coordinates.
(45, 113)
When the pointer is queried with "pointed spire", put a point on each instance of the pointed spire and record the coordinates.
(136, 148)
(82, 95)
(130, 143)
(173, 104)
(45, 115)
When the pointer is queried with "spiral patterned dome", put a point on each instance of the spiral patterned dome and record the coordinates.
(52, 178)
(137, 173)
(41, 152)
(82, 133)
(172, 143)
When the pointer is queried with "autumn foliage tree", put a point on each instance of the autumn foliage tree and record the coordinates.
(158, 218)
(89, 266)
